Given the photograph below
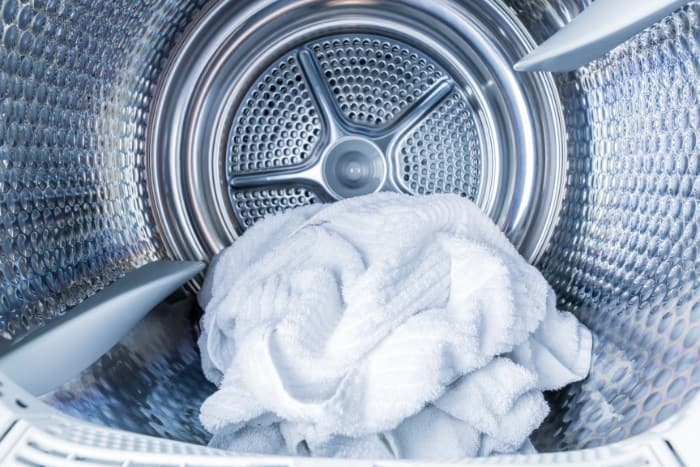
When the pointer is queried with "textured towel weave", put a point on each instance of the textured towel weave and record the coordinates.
(385, 326)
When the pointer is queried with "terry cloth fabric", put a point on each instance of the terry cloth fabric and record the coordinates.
(385, 326)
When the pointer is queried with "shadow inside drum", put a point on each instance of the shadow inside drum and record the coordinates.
(150, 383)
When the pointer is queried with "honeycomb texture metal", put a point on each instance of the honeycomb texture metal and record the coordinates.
(373, 79)
(150, 383)
(252, 205)
(544, 17)
(76, 78)
(624, 256)
(443, 154)
(277, 124)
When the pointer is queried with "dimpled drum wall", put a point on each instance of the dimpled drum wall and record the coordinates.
(138, 131)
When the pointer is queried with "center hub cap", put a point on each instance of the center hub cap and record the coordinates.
(354, 167)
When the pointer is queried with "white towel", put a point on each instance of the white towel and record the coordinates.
(385, 326)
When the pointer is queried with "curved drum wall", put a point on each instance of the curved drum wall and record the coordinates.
(76, 82)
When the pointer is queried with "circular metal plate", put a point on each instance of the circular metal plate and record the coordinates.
(266, 107)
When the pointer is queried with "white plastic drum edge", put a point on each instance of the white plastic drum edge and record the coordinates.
(33, 434)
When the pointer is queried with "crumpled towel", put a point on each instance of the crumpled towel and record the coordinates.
(385, 326)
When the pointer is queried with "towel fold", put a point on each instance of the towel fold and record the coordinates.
(385, 326)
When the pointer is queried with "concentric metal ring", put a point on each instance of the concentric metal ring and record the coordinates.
(257, 98)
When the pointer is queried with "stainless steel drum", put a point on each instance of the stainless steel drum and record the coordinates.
(331, 100)
(135, 131)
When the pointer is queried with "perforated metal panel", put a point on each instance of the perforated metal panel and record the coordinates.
(325, 98)
(374, 79)
(253, 205)
(278, 129)
(277, 125)
(443, 155)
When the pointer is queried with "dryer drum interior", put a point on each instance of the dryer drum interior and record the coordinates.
(135, 132)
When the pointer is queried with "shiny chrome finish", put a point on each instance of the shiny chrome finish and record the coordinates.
(151, 382)
(75, 87)
(77, 83)
(269, 106)
(624, 257)
(595, 32)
